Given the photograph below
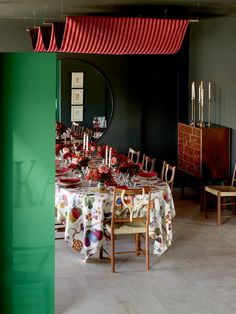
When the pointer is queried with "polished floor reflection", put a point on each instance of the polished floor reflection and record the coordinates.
(196, 275)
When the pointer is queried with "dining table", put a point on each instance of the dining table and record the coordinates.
(84, 208)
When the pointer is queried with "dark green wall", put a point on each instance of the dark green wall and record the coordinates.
(27, 97)
(130, 78)
(97, 98)
(213, 58)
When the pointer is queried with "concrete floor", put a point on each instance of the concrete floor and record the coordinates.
(197, 274)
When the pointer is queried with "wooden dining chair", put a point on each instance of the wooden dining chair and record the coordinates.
(75, 127)
(130, 215)
(148, 164)
(223, 193)
(133, 155)
(168, 174)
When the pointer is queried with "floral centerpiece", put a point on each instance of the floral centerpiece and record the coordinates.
(101, 151)
(66, 153)
(101, 174)
(78, 162)
(60, 129)
(128, 167)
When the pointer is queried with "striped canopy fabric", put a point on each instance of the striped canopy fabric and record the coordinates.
(110, 35)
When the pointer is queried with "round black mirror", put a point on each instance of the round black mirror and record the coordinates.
(85, 96)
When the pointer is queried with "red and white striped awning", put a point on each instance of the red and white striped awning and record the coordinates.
(110, 35)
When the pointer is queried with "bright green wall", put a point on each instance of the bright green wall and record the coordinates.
(27, 98)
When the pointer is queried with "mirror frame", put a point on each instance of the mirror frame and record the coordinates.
(97, 69)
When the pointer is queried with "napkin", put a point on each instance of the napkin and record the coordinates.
(70, 180)
(124, 187)
(147, 174)
(60, 170)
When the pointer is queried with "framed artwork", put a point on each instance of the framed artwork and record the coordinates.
(77, 96)
(77, 79)
(77, 113)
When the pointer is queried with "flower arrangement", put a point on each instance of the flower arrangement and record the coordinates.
(100, 174)
(101, 151)
(78, 162)
(123, 165)
(60, 128)
(66, 153)
(129, 168)
(58, 148)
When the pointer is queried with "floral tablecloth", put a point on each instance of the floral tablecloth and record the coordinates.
(84, 209)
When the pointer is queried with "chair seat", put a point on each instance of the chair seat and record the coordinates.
(225, 190)
(127, 228)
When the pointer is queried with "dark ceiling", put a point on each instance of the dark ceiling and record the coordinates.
(34, 10)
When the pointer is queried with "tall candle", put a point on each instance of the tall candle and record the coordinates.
(84, 142)
(209, 91)
(87, 140)
(193, 90)
(109, 163)
(202, 96)
(199, 93)
(199, 102)
(106, 155)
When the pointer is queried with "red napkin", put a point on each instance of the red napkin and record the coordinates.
(124, 187)
(61, 170)
(70, 180)
(147, 174)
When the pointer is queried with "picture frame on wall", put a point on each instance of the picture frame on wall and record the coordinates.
(77, 79)
(77, 96)
(77, 113)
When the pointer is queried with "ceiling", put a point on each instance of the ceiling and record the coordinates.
(35, 11)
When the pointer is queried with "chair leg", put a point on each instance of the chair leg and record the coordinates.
(100, 253)
(205, 210)
(138, 243)
(147, 250)
(218, 209)
(112, 253)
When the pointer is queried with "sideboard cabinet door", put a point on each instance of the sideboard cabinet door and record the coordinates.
(204, 152)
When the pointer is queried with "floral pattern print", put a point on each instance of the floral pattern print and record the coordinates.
(85, 209)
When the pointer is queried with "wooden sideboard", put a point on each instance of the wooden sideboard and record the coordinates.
(204, 152)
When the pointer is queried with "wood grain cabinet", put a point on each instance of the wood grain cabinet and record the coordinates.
(204, 152)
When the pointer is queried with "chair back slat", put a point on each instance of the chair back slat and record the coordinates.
(75, 127)
(131, 205)
(168, 174)
(134, 155)
(148, 164)
(233, 183)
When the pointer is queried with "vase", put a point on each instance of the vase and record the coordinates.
(101, 186)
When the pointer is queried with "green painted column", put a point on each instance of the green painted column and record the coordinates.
(27, 113)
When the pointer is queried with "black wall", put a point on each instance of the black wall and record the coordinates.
(150, 97)
(97, 95)
(213, 58)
